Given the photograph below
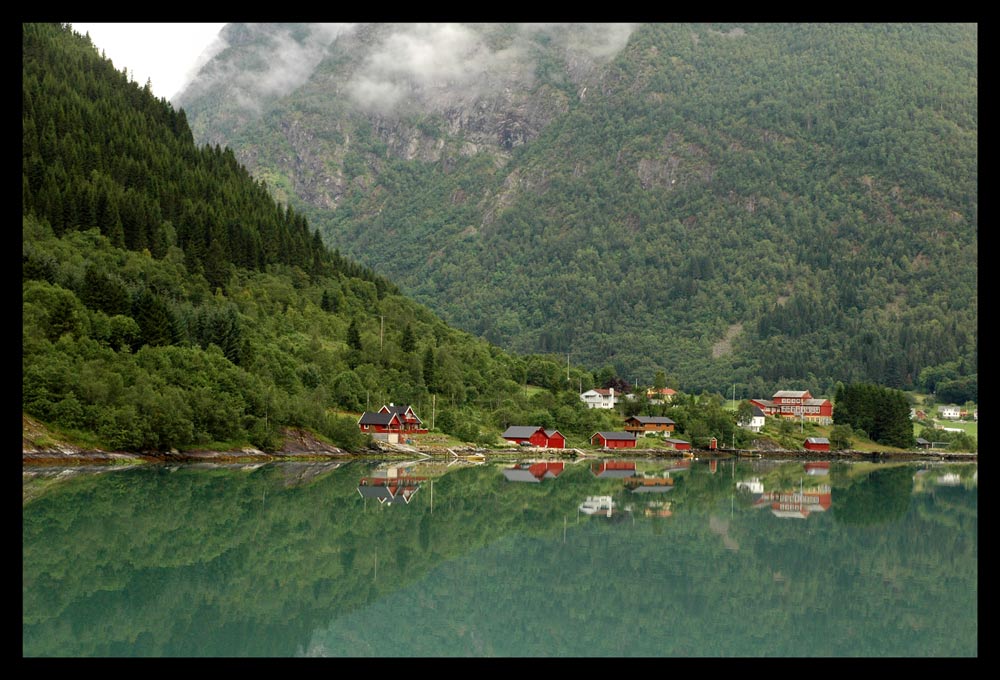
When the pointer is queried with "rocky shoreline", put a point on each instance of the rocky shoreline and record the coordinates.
(62, 457)
(38, 449)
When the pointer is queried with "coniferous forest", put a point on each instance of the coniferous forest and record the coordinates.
(775, 205)
(170, 301)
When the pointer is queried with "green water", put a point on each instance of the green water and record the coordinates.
(291, 559)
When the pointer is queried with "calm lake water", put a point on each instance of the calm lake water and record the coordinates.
(363, 559)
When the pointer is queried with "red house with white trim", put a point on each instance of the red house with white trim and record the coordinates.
(796, 404)
(613, 440)
(391, 419)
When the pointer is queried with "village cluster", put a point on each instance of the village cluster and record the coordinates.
(394, 423)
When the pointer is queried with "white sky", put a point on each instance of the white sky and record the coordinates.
(166, 53)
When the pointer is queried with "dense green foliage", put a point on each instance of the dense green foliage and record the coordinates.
(883, 414)
(288, 559)
(211, 316)
(807, 193)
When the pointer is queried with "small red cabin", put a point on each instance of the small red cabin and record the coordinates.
(817, 444)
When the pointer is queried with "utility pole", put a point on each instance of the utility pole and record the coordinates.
(381, 331)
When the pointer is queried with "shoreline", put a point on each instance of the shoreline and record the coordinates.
(62, 457)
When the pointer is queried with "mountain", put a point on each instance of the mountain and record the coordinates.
(725, 206)
(170, 302)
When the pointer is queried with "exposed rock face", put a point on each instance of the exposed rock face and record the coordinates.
(426, 92)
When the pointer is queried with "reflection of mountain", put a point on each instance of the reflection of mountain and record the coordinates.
(227, 562)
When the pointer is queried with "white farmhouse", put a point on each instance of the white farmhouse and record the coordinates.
(951, 412)
(756, 421)
(600, 398)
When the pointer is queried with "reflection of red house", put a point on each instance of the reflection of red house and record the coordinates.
(613, 440)
(389, 489)
(817, 444)
(817, 468)
(796, 404)
(679, 444)
(536, 436)
(391, 419)
(613, 468)
(796, 504)
(533, 472)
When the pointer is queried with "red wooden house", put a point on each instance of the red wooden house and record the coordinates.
(535, 436)
(816, 444)
(679, 444)
(409, 421)
(391, 419)
(613, 440)
(796, 404)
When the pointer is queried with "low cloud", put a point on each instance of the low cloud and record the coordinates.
(424, 66)
(436, 65)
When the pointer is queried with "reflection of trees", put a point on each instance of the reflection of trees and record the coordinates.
(198, 562)
(882, 497)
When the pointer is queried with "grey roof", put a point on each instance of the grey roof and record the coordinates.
(818, 440)
(375, 491)
(384, 494)
(520, 475)
(551, 433)
(757, 412)
(653, 420)
(790, 393)
(520, 431)
(615, 435)
(659, 488)
(374, 418)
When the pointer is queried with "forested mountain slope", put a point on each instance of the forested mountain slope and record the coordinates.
(772, 205)
(169, 302)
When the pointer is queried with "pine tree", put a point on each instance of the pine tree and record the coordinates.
(408, 343)
(354, 336)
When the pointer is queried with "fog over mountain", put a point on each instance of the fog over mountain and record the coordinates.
(778, 205)
(427, 67)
